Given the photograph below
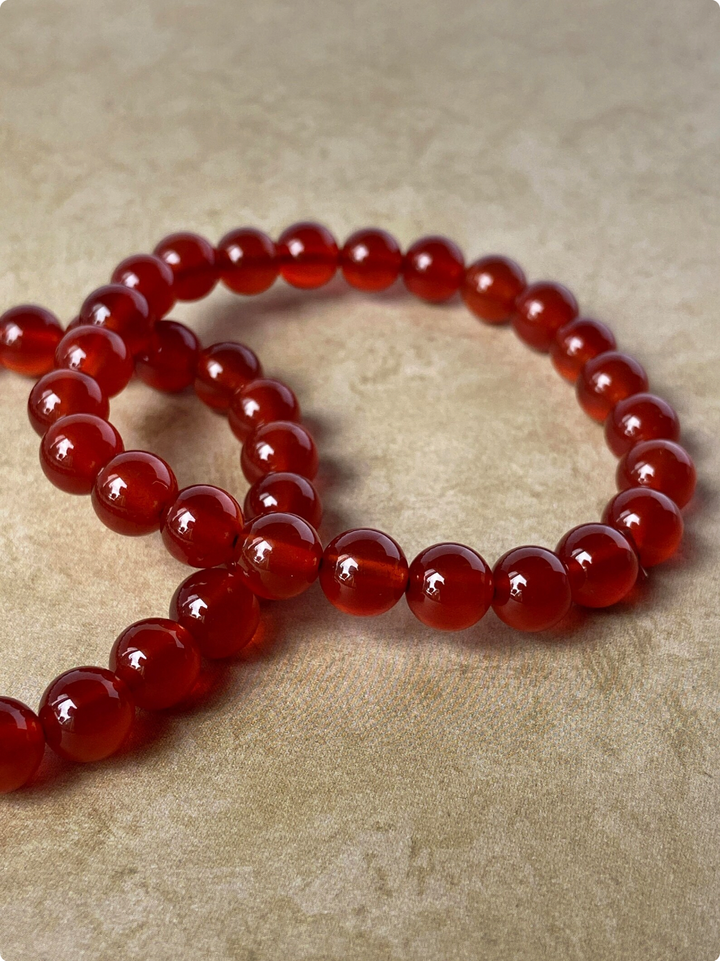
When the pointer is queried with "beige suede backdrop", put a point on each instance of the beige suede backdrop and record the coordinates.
(369, 789)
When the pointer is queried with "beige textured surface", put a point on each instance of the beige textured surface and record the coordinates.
(371, 790)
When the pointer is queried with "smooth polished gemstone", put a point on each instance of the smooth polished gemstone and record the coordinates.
(279, 446)
(650, 520)
(248, 261)
(286, 493)
(133, 491)
(86, 714)
(223, 369)
(601, 563)
(490, 287)
(638, 418)
(540, 311)
(450, 587)
(170, 362)
(202, 526)
(661, 465)
(193, 262)
(307, 254)
(371, 260)
(98, 352)
(63, 392)
(532, 589)
(22, 744)
(159, 661)
(578, 342)
(151, 277)
(261, 402)
(121, 309)
(75, 449)
(433, 268)
(29, 336)
(278, 555)
(606, 380)
(363, 572)
(220, 612)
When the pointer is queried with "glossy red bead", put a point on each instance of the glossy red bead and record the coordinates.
(247, 260)
(638, 418)
(606, 380)
(152, 278)
(133, 491)
(308, 255)
(222, 369)
(279, 446)
(278, 555)
(661, 465)
(158, 660)
(202, 526)
(578, 342)
(22, 744)
(450, 587)
(532, 589)
(285, 493)
(170, 361)
(261, 402)
(371, 260)
(601, 562)
(433, 268)
(218, 610)
(650, 520)
(64, 392)
(540, 311)
(98, 352)
(490, 287)
(363, 572)
(193, 262)
(29, 336)
(86, 714)
(121, 309)
(75, 449)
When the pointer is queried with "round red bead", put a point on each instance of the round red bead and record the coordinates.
(661, 465)
(193, 262)
(247, 260)
(363, 572)
(285, 493)
(308, 255)
(540, 311)
(532, 589)
(279, 446)
(22, 744)
(607, 379)
(64, 392)
(601, 563)
(218, 610)
(638, 418)
(159, 662)
(75, 449)
(433, 268)
(29, 336)
(371, 260)
(98, 352)
(278, 555)
(450, 587)
(261, 402)
(223, 369)
(133, 491)
(170, 362)
(202, 526)
(151, 277)
(122, 309)
(578, 342)
(491, 286)
(650, 520)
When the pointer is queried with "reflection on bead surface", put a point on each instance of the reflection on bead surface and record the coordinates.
(286, 493)
(170, 361)
(132, 492)
(22, 744)
(661, 465)
(261, 402)
(151, 277)
(540, 311)
(363, 572)
(64, 392)
(601, 563)
(651, 520)
(278, 555)
(450, 587)
(193, 263)
(223, 369)
(29, 336)
(371, 260)
(75, 449)
(607, 379)
(637, 418)
(100, 354)
(158, 660)
(491, 286)
(218, 610)
(578, 342)
(280, 446)
(202, 526)
(247, 261)
(307, 254)
(121, 309)
(532, 589)
(433, 268)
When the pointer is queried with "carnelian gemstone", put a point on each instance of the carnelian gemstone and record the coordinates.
(151, 277)
(601, 563)
(193, 262)
(540, 311)
(75, 449)
(133, 491)
(606, 380)
(491, 286)
(578, 342)
(278, 555)
(122, 309)
(532, 589)
(371, 260)
(307, 254)
(202, 526)
(22, 744)
(223, 369)
(63, 392)
(433, 268)
(86, 714)
(450, 587)
(363, 572)
(170, 361)
(29, 336)
(661, 465)
(261, 402)
(286, 493)
(218, 610)
(98, 352)
(650, 520)
(280, 446)
(247, 260)
(638, 418)
(158, 660)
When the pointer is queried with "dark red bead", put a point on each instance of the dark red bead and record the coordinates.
(371, 260)
(450, 587)
(606, 380)
(86, 714)
(152, 278)
(540, 311)
(248, 261)
(280, 446)
(638, 418)
(223, 369)
(286, 493)
(261, 402)
(121, 309)
(278, 555)
(193, 262)
(532, 589)
(170, 362)
(29, 336)
(218, 610)
(307, 254)
(202, 526)
(363, 572)
(433, 268)
(133, 491)
(63, 392)
(578, 342)
(650, 520)
(22, 744)
(491, 286)
(661, 465)
(75, 449)
(99, 353)
(601, 563)
(158, 660)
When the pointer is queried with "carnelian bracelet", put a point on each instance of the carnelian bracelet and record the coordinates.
(271, 550)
